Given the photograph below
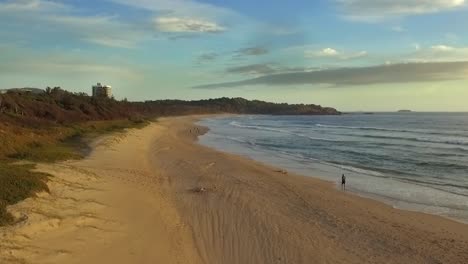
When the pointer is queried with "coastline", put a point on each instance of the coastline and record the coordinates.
(155, 194)
(381, 175)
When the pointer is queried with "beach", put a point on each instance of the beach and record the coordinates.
(154, 195)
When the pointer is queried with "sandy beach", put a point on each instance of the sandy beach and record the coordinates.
(154, 195)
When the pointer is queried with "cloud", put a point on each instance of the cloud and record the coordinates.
(185, 16)
(372, 10)
(63, 20)
(101, 30)
(328, 52)
(398, 29)
(355, 55)
(180, 8)
(442, 48)
(392, 73)
(254, 69)
(239, 54)
(187, 25)
(30, 6)
(111, 42)
(252, 51)
(32, 63)
(331, 53)
(266, 68)
(207, 57)
(437, 53)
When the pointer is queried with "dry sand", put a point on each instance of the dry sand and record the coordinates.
(155, 196)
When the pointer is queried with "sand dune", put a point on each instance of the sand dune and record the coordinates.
(155, 196)
(107, 208)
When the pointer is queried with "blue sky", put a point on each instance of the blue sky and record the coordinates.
(351, 54)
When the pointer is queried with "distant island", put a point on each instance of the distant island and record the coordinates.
(404, 111)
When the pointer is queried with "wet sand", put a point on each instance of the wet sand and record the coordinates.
(156, 196)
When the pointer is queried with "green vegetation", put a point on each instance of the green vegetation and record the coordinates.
(242, 106)
(72, 145)
(18, 182)
(62, 107)
(47, 153)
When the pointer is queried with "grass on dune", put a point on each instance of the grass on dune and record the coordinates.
(18, 182)
(67, 142)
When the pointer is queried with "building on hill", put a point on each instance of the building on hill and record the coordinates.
(101, 90)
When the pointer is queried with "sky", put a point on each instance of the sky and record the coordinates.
(354, 55)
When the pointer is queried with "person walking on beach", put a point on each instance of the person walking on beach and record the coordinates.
(343, 182)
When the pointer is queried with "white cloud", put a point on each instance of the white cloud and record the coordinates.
(372, 10)
(442, 48)
(101, 30)
(180, 25)
(30, 5)
(328, 52)
(355, 55)
(398, 29)
(111, 42)
(63, 20)
(30, 62)
(179, 8)
(334, 54)
(438, 53)
(187, 16)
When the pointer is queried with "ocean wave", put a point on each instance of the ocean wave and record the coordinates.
(457, 134)
(447, 188)
(240, 140)
(422, 139)
(432, 183)
(264, 128)
(346, 167)
(442, 165)
(414, 139)
(237, 124)
(455, 148)
(350, 168)
(300, 157)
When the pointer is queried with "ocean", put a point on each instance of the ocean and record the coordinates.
(412, 161)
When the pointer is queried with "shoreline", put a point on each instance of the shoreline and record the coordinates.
(333, 184)
(156, 194)
(388, 201)
(326, 172)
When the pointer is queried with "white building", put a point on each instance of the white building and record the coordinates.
(101, 90)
